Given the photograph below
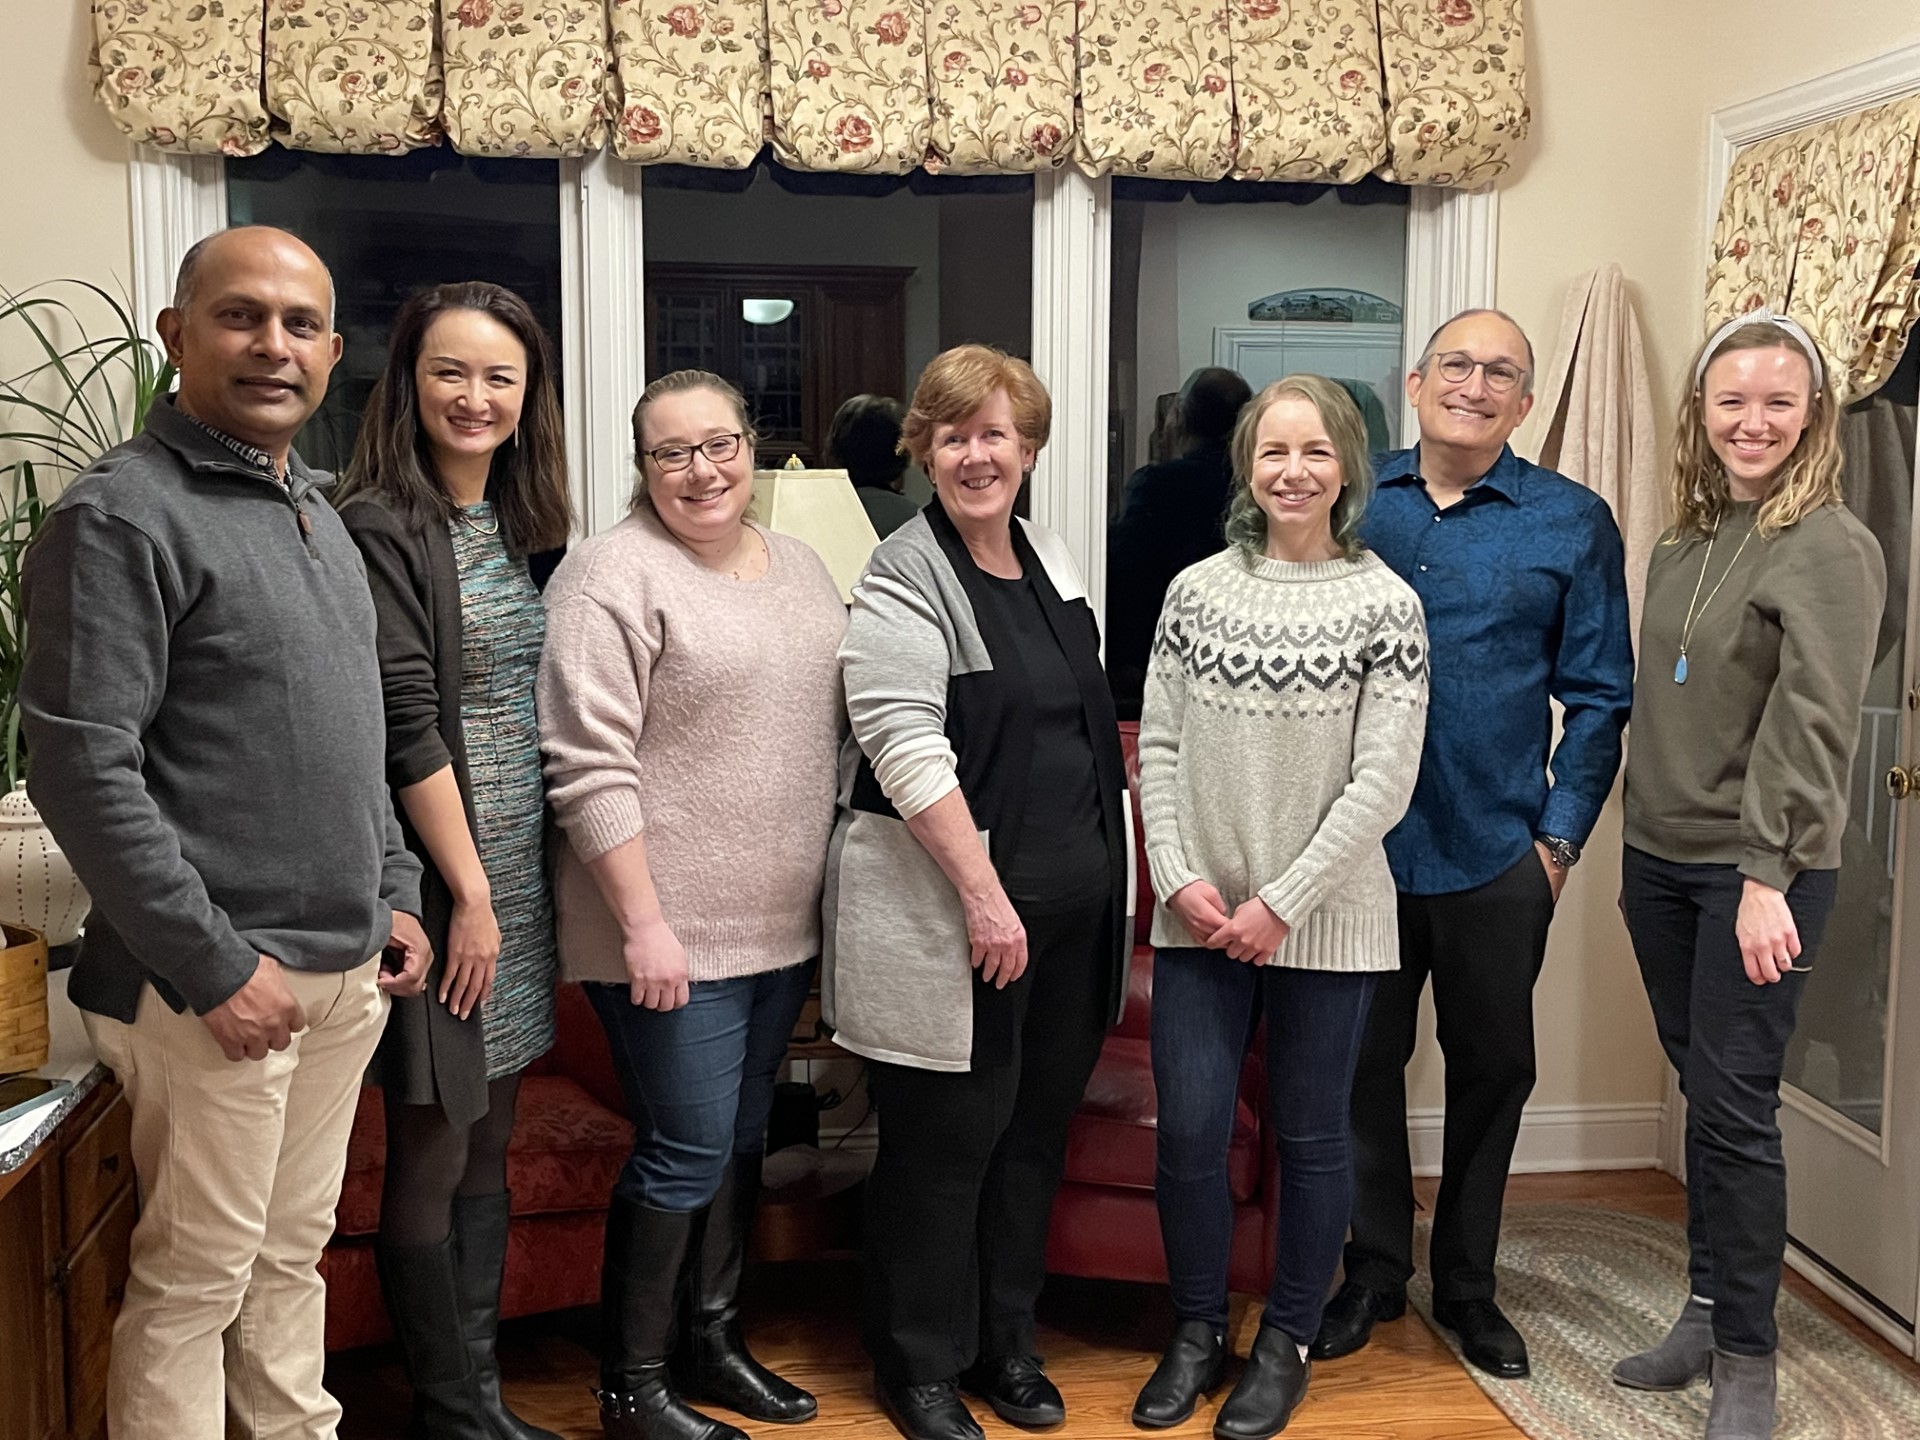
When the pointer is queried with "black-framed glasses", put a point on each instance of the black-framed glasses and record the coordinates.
(1457, 367)
(717, 448)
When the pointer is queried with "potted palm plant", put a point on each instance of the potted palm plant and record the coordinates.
(89, 375)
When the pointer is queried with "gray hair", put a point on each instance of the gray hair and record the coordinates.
(1426, 355)
(186, 283)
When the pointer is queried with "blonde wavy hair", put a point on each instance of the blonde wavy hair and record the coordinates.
(1246, 522)
(1809, 479)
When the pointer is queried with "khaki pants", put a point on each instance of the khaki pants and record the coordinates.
(239, 1164)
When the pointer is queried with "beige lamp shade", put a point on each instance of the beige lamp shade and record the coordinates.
(821, 508)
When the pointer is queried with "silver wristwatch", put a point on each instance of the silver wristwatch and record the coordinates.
(1565, 853)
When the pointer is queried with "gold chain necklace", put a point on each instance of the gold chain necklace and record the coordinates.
(1693, 616)
(479, 529)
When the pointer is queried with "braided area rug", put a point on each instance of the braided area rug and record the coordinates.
(1587, 1286)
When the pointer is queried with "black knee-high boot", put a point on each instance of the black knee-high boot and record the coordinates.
(479, 1260)
(639, 1298)
(417, 1282)
(712, 1362)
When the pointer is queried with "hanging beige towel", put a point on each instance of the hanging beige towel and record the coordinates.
(1595, 412)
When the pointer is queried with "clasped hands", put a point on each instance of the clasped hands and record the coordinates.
(1251, 933)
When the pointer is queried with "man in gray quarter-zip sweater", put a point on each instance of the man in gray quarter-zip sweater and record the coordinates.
(202, 707)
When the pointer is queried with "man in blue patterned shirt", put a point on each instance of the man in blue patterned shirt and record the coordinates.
(1522, 575)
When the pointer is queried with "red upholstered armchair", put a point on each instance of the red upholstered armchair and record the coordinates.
(1105, 1225)
(569, 1141)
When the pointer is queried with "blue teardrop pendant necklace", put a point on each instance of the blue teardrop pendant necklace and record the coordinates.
(1693, 613)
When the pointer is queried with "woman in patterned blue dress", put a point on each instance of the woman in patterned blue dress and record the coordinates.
(457, 497)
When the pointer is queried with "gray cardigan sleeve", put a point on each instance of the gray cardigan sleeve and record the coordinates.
(895, 662)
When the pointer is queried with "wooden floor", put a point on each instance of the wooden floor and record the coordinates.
(1100, 1340)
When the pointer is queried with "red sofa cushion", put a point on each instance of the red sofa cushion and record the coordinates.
(1111, 1139)
(567, 1148)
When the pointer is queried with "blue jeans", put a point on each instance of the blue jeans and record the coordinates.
(698, 1080)
(1205, 1007)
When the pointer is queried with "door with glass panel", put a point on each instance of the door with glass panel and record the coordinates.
(1851, 1116)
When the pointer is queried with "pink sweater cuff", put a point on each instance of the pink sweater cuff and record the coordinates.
(602, 821)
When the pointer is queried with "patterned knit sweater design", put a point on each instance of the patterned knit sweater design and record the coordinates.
(1279, 742)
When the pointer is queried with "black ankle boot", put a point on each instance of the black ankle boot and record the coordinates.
(639, 1293)
(712, 1362)
(1263, 1400)
(1195, 1364)
(479, 1259)
(417, 1281)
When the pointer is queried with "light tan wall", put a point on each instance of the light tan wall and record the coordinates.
(63, 172)
(1615, 169)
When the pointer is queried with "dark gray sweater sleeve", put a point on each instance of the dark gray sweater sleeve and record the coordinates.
(96, 602)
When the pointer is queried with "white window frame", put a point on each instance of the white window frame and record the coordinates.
(1450, 266)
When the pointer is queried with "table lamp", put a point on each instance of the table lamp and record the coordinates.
(821, 508)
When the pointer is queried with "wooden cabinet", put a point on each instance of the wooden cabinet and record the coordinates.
(844, 335)
(66, 1218)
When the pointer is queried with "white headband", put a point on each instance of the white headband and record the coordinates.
(1763, 316)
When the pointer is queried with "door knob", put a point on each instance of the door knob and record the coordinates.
(1902, 782)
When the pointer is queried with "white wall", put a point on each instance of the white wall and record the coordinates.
(1201, 265)
(63, 176)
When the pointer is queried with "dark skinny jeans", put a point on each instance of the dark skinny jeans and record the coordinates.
(1727, 1038)
(1205, 1008)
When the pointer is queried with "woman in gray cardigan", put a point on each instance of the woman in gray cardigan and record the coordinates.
(457, 498)
(976, 900)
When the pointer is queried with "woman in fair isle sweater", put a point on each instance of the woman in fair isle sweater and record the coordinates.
(690, 712)
(1280, 736)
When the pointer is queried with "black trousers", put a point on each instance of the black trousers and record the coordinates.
(969, 1161)
(1483, 949)
(1727, 1037)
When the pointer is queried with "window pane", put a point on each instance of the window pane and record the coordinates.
(879, 283)
(389, 226)
(1262, 287)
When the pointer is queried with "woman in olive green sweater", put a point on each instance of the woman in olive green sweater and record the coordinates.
(1755, 646)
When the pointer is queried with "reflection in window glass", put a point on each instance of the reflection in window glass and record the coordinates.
(389, 226)
(1838, 1052)
(1211, 301)
(808, 291)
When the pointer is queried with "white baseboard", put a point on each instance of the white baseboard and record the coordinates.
(1552, 1138)
(1557, 1138)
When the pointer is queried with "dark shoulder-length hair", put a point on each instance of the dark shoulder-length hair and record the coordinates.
(528, 482)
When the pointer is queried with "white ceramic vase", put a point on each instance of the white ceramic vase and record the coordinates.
(38, 888)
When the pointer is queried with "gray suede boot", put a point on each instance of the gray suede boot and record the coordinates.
(1743, 1392)
(1677, 1361)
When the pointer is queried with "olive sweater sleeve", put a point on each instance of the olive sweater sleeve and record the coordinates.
(1827, 599)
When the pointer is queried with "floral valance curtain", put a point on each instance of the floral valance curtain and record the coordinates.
(1824, 224)
(1425, 92)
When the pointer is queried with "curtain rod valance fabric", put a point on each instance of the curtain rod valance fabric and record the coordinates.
(1823, 224)
(1421, 92)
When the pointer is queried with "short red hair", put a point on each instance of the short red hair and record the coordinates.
(957, 382)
